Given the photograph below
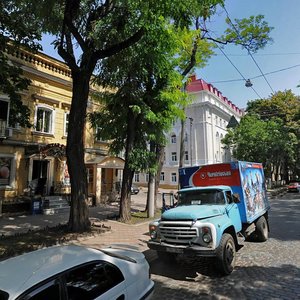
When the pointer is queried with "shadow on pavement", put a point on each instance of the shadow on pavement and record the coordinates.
(244, 283)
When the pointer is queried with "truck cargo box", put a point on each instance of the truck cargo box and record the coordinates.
(245, 178)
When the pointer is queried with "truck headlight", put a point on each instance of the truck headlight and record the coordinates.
(206, 235)
(153, 231)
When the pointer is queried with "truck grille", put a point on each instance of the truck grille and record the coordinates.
(177, 233)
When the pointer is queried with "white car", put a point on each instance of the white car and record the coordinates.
(75, 272)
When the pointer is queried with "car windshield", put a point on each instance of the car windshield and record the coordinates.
(203, 197)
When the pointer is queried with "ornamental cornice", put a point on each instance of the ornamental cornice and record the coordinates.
(39, 59)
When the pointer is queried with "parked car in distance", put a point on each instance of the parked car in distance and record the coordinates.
(294, 187)
(134, 189)
(75, 272)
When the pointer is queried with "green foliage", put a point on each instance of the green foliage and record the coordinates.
(17, 28)
(251, 33)
(269, 133)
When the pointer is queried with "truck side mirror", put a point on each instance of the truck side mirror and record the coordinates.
(236, 198)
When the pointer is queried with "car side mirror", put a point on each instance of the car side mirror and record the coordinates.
(236, 198)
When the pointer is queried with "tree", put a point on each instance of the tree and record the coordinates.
(251, 33)
(284, 108)
(140, 104)
(100, 29)
(269, 133)
(17, 29)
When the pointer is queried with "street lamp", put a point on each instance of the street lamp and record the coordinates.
(248, 83)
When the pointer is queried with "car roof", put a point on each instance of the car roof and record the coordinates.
(19, 273)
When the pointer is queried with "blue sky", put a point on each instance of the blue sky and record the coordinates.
(283, 53)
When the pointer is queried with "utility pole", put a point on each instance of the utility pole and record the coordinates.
(191, 149)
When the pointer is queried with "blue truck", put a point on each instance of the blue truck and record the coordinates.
(218, 207)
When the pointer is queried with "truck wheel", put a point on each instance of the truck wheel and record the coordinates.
(261, 231)
(226, 254)
(166, 257)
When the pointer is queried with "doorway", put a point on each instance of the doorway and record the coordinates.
(40, 171)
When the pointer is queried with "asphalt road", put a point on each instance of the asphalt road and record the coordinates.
(269, 270)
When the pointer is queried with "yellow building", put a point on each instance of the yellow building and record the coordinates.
(37, 155)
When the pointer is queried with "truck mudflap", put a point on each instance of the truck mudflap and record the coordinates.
(188, 250)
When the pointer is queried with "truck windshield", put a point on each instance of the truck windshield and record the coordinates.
(203, 197)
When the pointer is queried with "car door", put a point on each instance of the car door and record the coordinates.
(96, 280)
(233, 212)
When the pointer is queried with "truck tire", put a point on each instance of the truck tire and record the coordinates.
(262, 230)
(226, 254)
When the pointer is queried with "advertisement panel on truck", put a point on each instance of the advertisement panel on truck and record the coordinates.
(244, 178)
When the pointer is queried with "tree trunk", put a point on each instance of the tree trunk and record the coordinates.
(79, 217)
(125, 201)
(150, 196)
(160, 152)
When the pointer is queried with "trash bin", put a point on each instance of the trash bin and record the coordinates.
(36, 205)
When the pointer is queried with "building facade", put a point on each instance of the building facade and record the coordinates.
(207, 117)
(35, 157)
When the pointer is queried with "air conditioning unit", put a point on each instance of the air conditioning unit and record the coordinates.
(8, 132)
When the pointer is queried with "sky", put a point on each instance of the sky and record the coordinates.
(274, 68)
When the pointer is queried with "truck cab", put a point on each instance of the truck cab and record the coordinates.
(208, 220)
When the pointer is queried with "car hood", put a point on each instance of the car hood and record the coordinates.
(193, 212)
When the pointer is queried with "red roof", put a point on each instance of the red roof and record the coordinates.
(197, 85)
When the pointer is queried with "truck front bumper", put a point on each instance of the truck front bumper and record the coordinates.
(188, 250)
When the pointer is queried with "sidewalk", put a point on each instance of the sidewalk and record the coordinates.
(119, 233)
(10, 225)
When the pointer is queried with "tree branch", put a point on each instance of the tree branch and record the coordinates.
(114, 49)
(71, 10)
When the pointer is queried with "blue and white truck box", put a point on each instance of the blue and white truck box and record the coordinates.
(219, 205)
(244, 178)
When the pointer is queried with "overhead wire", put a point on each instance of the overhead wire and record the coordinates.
(248, 50)
(235, 68)
(272, 72)
(265, 54)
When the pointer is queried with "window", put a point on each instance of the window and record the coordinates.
(174, 177)
(186, 138)
(173, 139)
(186, 155)
(48, 291)
(90, 175)
(147, 177)
(137, 177)
(44, 120)
(162, 176)
(99, 134)
(66, 123)
(174, 156)
(4, 109)
(92, 280)
(5, 170)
